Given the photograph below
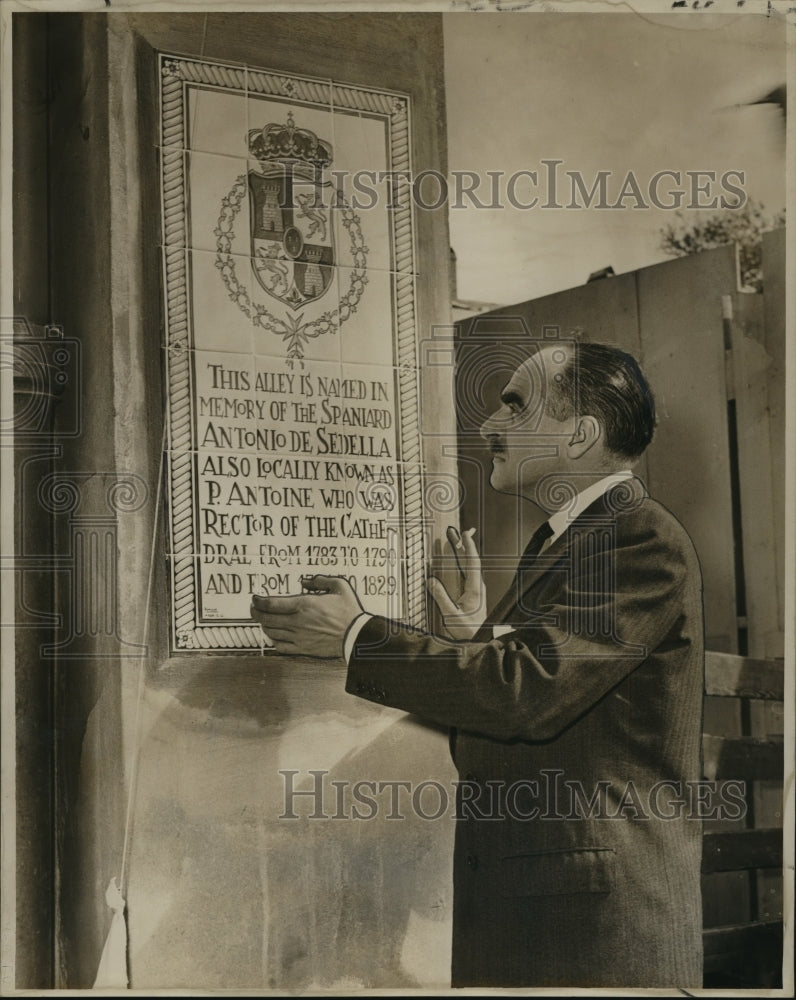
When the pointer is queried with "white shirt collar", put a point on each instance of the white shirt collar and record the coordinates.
(562, 519)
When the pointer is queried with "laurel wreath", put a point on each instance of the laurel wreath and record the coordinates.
(291, 329)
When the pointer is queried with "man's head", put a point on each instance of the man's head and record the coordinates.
(571, 411)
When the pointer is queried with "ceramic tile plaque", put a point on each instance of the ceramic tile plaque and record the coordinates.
(290, 354)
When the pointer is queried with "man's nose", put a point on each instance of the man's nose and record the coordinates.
(490, 426)
(496, 423)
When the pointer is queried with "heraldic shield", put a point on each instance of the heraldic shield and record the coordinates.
(291, 235)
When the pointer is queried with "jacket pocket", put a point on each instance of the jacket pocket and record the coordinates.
(559, 873)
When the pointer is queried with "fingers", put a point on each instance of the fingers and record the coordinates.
(470, 548)
(284, 625)
(280, 634)
(281, 639)
(278, 617)
(468, 562)
(444, 602)
(471, 566)
(464, 548)
(454, 538)
(331, 584)
(456, 544)
(276, 605)
(283, 647)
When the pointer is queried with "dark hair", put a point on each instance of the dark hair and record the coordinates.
(607, 384)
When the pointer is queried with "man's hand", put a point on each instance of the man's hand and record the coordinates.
(312, 624)
(464, 616)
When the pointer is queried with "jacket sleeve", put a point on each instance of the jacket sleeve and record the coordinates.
(601, 616)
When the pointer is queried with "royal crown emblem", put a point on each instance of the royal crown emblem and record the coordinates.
(292, 240)
(282, 143)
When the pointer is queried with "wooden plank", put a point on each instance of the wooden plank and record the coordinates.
(726, 897)
(748, 947)
(743, 677)
(683, 356)
(774, 309)
(35, 871)
(770, 894)
(729, 852)
(722, 940)
(741, 757)
(751, 363)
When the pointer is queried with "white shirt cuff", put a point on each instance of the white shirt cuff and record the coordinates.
(499, 630)
(352, 634)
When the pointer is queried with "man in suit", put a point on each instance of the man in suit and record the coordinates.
(575, 707)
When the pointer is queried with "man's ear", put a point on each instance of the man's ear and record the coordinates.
(587, 434)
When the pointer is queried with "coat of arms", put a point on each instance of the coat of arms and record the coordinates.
(292, 236)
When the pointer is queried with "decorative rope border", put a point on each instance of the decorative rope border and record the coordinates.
(175, 73)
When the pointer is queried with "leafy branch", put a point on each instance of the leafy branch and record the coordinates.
(744, 226)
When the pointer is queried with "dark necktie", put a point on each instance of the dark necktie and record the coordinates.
(513, 595)
(534, 547)
(525, 566)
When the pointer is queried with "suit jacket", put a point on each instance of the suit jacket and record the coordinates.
(576, 735)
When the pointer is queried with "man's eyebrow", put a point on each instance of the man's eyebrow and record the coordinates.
(509, 396)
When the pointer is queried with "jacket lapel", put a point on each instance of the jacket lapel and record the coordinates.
(600, 510)
(504, 610)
